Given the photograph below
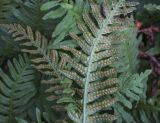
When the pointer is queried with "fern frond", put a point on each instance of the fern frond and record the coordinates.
(34, 43)
(98, 52)
(17, 89)
(131, 84)
(131, 88)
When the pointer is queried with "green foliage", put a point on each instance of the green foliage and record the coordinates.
(67, 13)
(131, 84)
(131, 89)
(5, 7)
(150, 14)
(147, 111)
(38, 117)
(29, 13)
(152, 7)
(17, 89)
(8, 48)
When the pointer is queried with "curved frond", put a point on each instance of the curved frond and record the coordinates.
(93, 75)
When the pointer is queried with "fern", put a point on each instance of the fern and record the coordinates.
(17, 89)
(95, 80)
(131, 89)
(35, 44)
(131, 84)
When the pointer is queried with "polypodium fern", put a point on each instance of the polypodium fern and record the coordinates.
(94, 78)
(17, 89)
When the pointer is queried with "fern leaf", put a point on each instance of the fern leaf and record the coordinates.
(131, 84)
(98, 51)
(16, 89)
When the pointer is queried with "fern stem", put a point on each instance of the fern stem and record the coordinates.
(102, 29)
(87, 83)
